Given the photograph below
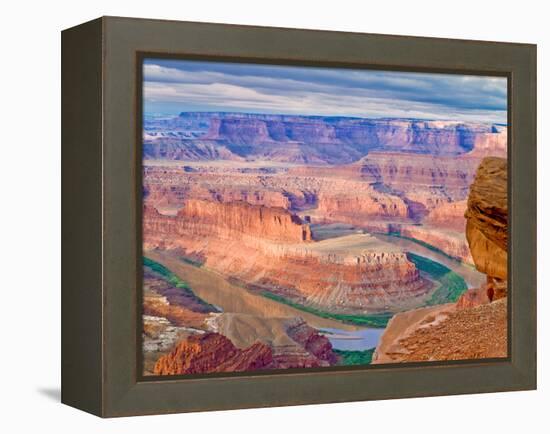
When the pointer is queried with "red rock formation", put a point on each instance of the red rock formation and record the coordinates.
(254, 244)
(312, 341)
(179, 306)
(167, 189)
(380, 188)
(307, 139)
(445, 333)
(408, 170)
(491, 144)
(487, 218)
(476, 326)
(212, 352)
(234, 220)
(448, 216)
(359, 206)
(452, 243)
(473, 297)
(177, 315)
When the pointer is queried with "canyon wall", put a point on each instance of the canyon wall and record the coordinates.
(399, 169)
(254, 244)
(452, 243)
(176, 323)
(233, 220)
(487, 218)
(448, 216)
(212, 352)
(387, 187)
(476, 325)
(358, 206)
(311, 139)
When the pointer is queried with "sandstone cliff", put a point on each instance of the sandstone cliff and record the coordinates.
(253, 244)
(487, 218)
(212, 352)
(381, 189)
(452, 243)
(475, 326)
(309, 139)
(314, 343)
(359, 206)
(445, 333)
(448, 215)
(234, 220)
(401, 169)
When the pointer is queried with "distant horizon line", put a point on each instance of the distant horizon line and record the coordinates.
(321, 116)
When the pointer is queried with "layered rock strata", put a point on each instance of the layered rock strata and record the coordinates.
(487, 219)
(445, 333)
(452, 243)
(253, 244)
(381, 189)
(448, 216)
(476, 326)
(212, 352)
(314, 343)
(311, 139)
(161, 299)
(294, 343)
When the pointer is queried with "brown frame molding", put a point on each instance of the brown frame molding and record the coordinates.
(101, 166)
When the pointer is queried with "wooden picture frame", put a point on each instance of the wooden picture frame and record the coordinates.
(101, 215)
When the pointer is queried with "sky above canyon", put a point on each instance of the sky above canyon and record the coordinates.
(174, 86)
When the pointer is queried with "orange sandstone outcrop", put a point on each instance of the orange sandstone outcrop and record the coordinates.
(476, 326)
(408, 170)
(491, 144)
(381, 187)
(445, 333)
(314, 343)
(162, 299)
(358, 208)
(177, 315)
(448, 215)
(212, 352)
(473, 297)
(487, 218)
(452, 243)
(271, 249)
(234, 220)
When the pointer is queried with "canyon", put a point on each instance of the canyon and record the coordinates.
(252, 243)
(311, 139)
(182, 317)
(271, 239)
(476, 326)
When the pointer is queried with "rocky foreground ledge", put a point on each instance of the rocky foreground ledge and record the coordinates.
(476, 325)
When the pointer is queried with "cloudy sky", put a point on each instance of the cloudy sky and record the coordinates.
(174, 86)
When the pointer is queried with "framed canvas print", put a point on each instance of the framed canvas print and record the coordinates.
(260, 216)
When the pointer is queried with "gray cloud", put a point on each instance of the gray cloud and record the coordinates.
(191, 85)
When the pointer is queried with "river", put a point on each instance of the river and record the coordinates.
(217, 290)
(471, 276)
